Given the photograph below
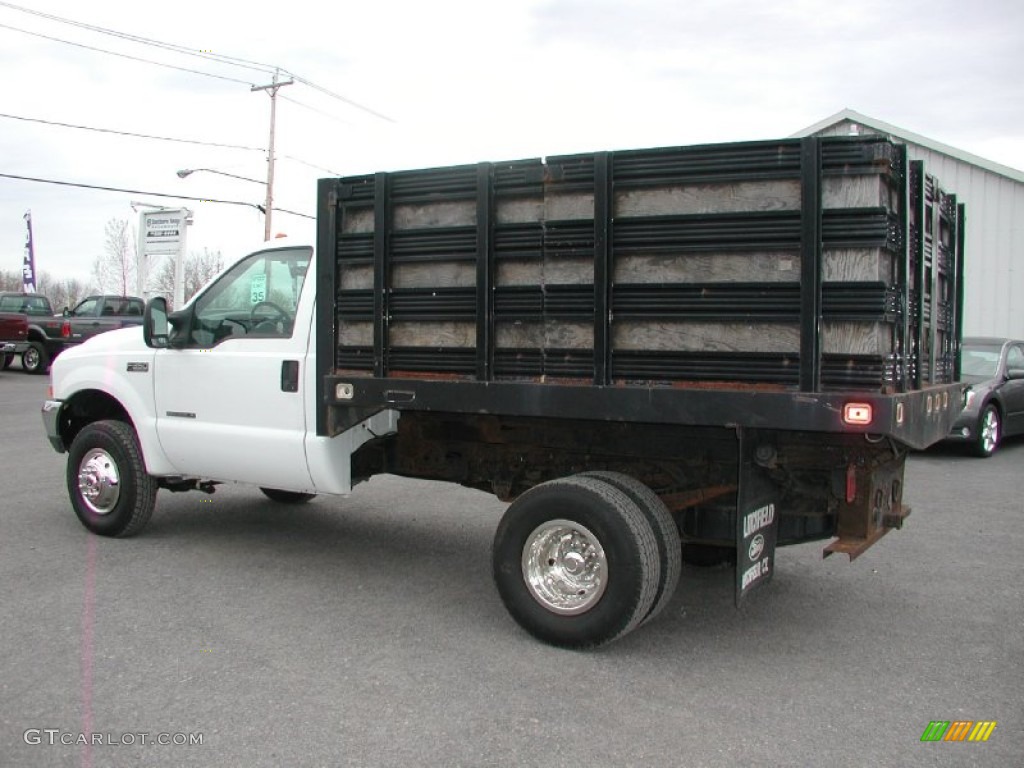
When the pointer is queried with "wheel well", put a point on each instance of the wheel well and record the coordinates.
(994, 402)
(84, 408)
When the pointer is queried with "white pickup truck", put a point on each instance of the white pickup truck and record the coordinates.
(580, 337)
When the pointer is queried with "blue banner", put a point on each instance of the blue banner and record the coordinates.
(28, 269)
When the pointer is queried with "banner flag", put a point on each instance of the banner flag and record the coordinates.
(28, 268)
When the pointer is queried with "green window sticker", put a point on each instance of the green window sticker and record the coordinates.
(258, 289)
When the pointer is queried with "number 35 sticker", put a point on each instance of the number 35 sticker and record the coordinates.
(258, 289)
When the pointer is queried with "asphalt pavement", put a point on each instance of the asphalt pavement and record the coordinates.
(366, 631)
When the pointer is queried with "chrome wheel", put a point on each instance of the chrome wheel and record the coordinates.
(99, 481)
(565, 567)
(988, 431)
(31, 360)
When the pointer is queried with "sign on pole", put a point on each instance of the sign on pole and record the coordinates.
(162, 232)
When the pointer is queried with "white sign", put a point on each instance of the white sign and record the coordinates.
(163, 232)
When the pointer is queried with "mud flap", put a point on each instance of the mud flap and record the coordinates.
(757, 514)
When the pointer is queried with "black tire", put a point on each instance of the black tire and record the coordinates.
(34, 359)
(707, 555)
(989, 432)
(107, 481)
(287, 497)
(8, 359)
(609, 536)
(665, 532)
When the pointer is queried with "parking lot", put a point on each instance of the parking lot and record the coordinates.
(366, 631)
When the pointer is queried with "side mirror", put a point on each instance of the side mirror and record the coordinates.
(155, 328)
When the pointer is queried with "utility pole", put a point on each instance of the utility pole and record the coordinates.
(272, 90)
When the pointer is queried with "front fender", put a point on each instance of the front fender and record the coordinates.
(124, 376)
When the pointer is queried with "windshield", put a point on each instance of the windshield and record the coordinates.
(980, 360)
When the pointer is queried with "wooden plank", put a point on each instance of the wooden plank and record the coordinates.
(777, 195)
(456, 213)
(544, 334)
(568, 206)
(519, 210)
(857, 338)
(550, 271)
(415, 333)
(435, 274)
(867, 191)
(766, 267)
(857, 265)
(354, 278)
(697, 336)
(357, 221)
(355, 334)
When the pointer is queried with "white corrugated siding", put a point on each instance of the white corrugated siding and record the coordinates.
(993, 281)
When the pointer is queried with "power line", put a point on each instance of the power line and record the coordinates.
(339, 97)
(144, 192)
(129, 133)
(115, 132)
(234, 61)
(311, 165)
(127, 56)
(314, 109)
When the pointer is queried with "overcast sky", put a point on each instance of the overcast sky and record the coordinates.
(433, 83)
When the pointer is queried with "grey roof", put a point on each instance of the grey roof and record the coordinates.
(912, 138)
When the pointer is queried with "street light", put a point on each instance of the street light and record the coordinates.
(188, 171)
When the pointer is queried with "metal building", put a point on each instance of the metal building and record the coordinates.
(994, 196)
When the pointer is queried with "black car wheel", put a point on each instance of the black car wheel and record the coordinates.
(576, 562)
(989, 432)
(34, 359)
(107, 481)
(665, 532)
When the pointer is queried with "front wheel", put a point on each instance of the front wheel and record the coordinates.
(990, 432)
(34, 359)
(576, 562)
(287, 497)
(110, 490)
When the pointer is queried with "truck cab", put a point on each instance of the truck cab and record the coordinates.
(96, 314)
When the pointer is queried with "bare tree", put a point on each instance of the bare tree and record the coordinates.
(10, 280)
(198, 269)
(114, 271)
(62, 293)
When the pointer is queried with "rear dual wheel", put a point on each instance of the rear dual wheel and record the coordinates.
(578, 563)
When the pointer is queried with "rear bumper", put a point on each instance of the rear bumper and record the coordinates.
(51, 423)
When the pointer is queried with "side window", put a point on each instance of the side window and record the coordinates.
(87, 307)
(256, 298)
(1015, 357)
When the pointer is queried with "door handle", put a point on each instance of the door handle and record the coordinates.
(290, 376)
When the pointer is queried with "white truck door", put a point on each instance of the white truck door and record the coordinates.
(228, 399)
